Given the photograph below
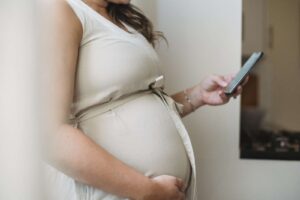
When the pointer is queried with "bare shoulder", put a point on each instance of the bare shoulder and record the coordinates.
(57, 15)
(61, 34)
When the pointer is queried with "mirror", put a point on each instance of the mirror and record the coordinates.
(270, 110)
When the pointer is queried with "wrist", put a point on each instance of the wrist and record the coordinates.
(196, 95)
(188, 100)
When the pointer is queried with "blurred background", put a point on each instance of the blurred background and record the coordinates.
(270, 121)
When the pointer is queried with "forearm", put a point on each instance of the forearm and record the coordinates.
(195, 97)
(79, 157)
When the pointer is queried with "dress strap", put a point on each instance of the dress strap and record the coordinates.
(172, 106)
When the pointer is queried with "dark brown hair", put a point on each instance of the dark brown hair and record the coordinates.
(134, 17)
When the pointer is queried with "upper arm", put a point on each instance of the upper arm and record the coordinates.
(61, 36)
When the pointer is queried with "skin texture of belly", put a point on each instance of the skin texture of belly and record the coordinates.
(141, 134)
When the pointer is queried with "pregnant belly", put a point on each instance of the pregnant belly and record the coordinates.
(141, 134)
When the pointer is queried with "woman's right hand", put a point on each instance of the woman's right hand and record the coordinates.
(165, 187)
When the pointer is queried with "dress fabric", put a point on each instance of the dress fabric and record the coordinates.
(120, 104)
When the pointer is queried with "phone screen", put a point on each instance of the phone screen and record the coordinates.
(247, 67)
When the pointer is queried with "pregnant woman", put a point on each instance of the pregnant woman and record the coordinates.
(120, 135)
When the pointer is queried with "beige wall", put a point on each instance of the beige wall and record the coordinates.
(205, 38)
(254, 26)
(284, 65)
(279, 72)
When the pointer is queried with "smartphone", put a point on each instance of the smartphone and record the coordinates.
(247, 67)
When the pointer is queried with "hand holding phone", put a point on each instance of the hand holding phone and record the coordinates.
(242, 74)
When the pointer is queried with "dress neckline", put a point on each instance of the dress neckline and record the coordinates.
(130, 31)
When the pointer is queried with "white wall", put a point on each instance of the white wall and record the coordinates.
(19, 171)
(205, 38)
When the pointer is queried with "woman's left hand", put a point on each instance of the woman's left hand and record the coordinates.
(211, 89)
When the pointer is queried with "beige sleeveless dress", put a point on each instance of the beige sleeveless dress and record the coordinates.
(119, 102)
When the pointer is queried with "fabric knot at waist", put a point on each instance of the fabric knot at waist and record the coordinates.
(156, 87)
(95, 110)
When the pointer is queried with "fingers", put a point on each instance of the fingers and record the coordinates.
(238, 92)
(220, 80)
(180, 184)
(223, 96)
(245, 81)
(169, 187)
(229, 77)
(239, 89)
(181, 188)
